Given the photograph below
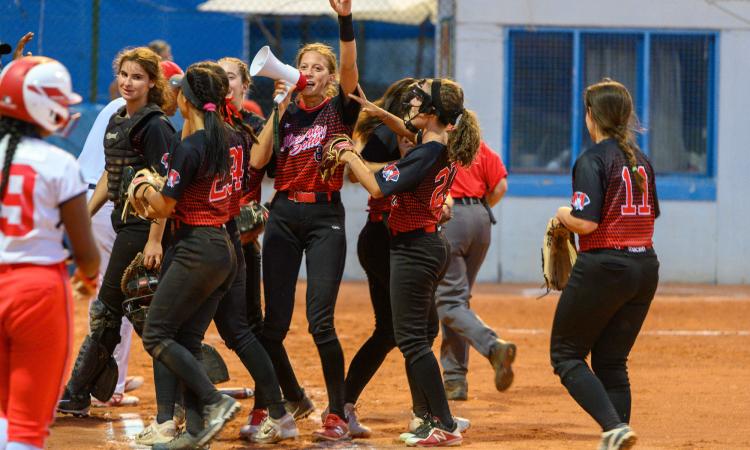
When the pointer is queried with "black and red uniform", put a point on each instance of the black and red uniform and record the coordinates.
(613, 281)
(196, 273)
(419, 183)
(307, 216)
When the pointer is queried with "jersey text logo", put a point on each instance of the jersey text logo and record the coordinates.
(313, 137)
(579, 201)
(391, 173)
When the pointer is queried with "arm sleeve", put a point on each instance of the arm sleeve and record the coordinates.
(405, 174)
(70, 183)
(186, 160)
(588, 188)
(157, 136)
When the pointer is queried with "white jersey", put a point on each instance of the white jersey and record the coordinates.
(42, 177)
(91, 158)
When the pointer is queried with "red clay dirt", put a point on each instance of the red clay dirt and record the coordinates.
(690, 375)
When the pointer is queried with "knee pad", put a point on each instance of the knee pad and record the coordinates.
(95, 371)
(105, 326)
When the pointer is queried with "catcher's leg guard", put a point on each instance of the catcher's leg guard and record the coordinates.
(214, 364)
(94, 372)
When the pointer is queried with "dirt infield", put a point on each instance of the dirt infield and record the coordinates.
(690, 372)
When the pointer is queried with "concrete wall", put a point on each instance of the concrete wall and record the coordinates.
(697, 241)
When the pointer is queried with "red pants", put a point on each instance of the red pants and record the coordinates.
(36, 325)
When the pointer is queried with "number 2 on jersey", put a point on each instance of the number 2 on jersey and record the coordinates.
(629, 209)
(442, 181)
(23, 200)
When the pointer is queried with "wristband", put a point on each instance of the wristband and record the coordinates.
(346, 28)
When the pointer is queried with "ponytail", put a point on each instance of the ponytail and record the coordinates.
(15, 129)
(624, 141)
(464, 140)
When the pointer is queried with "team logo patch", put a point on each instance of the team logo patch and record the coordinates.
(165, 160)
(579, 201)
(391, 173)
(173, 179)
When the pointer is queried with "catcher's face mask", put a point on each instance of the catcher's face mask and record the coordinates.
(416, 101)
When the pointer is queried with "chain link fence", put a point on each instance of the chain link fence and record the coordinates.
(395, 38)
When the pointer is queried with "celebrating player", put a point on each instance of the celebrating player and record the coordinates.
(614, 279)
(419, 183)
(137, 136)
(40, 187)
(200, 261)
(475, 189)
(307, 216)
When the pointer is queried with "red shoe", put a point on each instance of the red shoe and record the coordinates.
(334, 429)
(437, 437)
(257, 416)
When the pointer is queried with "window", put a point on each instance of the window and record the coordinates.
(669, 75)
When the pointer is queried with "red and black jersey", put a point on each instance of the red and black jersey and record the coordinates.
(379, 205)
(605, 192)
(419, 183)
(202, 200)
(381, 146)
(302, 134)
(254, 177)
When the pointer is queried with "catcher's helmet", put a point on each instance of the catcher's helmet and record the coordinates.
(38, 90)
(138, 294)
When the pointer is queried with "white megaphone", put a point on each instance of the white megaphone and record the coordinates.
(266, 64)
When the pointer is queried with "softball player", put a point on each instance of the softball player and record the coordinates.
(200, 263)
(475, 189)
(419, 183)
(380, 145)
(41, 187)
(137, 135)
(307, 216)
(603, 306)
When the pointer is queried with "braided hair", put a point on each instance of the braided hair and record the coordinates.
(390, 101)
(231, 115)
(210, 85)
(15, 130)
(611, 108)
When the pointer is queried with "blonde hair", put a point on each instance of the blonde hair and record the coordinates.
(150, 62)
(244, 71)
(326, 51)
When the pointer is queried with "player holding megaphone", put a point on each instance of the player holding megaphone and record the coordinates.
(307, 213)
(265, 64)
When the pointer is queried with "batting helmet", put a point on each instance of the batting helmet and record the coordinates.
(38, 90)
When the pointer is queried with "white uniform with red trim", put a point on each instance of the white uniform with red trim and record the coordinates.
(42, 177)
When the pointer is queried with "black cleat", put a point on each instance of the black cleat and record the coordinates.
(75, 405)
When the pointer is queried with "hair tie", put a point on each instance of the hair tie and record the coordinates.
(634, 169)
(210, 107)
(459, 117)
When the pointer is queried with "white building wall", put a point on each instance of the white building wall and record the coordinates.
(696, 241)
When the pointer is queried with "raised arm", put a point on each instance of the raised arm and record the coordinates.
(349, 74)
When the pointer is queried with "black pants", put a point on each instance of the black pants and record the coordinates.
(373, 249)
(418, 262)
(198, 270)
(252, 254)
(601, 312)
(316, 229)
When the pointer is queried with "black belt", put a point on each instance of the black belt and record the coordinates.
(92, 186)
(468, 200)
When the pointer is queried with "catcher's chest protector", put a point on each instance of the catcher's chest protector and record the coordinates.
(120, 147)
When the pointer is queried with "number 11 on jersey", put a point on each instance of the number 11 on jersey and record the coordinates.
(629, 209)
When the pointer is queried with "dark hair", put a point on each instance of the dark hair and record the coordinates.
(159, 46)
(151, 63)
(210, 84)
(390, 101)
(611, 108)
(17, 129)
(464, 139)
